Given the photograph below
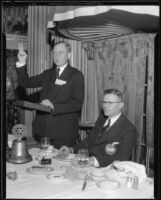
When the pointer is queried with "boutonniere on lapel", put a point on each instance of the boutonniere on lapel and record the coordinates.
(60, 82)
(110, 149)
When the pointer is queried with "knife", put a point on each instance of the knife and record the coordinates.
(84, 182)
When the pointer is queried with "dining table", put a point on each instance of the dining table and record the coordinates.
(28, 185)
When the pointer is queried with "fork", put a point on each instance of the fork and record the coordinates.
(85, 182)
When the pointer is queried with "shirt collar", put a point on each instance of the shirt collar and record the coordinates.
(62, 68)
(113, 119)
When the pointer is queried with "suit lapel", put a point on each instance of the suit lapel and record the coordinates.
(65, 76)
(113, 131)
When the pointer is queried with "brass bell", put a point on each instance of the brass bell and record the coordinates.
(19, 151)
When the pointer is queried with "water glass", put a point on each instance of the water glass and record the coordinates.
(45, 143)
(83, 156)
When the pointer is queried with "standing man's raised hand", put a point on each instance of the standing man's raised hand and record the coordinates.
(22, 56)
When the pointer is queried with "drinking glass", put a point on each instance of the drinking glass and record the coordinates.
(45, 143)
(83, 156)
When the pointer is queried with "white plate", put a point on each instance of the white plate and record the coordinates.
(38, 170)
(69, 158)
(108, 184)
(56, 176)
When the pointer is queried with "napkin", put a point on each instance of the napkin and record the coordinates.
(124, 168)
(71, 173)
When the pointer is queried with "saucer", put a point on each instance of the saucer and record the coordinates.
(56, 176)
(39, 170)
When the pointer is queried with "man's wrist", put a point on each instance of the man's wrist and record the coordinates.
(94, 161)
(20, 64)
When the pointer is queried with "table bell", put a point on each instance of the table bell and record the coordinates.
(19, 151)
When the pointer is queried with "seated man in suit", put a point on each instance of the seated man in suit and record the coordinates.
(113, 137)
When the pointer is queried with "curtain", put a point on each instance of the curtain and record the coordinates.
(121, 64)
(11, 86)
(38, 49)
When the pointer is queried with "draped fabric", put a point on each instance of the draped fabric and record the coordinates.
(11, 86)
(39, 58)
(38, 48)
(121, 64)
(89, 23)
(96, 32)
(59, 13)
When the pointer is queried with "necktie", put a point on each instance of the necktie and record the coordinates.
(57, 72)
(105, 127)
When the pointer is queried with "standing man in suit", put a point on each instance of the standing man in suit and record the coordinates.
(113, 137)
(62, 91)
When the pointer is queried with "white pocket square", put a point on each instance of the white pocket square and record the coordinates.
(60, 82)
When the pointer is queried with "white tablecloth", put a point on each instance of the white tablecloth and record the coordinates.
(39, 187)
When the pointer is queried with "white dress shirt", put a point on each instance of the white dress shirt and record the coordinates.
(62, 68)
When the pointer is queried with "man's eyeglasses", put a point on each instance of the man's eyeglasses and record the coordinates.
(110, 102)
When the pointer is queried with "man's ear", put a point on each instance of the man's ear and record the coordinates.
(121, 105)
(69, 55)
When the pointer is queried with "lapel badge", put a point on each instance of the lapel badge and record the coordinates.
(110, 149)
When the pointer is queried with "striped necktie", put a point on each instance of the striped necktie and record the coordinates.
(105, 127)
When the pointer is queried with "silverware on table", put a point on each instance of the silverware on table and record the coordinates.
(85, 182)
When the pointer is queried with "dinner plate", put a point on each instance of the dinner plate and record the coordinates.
(69, 158)
(108, 184)
(56, 176)
(39, 170)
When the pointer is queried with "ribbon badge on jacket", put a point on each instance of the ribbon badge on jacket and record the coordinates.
(60, 82)
(110, 149)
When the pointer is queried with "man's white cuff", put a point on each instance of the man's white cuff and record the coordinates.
(18, 64)
(96, 164)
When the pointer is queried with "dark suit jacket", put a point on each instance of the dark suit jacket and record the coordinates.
(121, 131)
(67, 100)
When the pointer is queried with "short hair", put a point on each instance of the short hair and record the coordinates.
(67, 45)
(115, 92)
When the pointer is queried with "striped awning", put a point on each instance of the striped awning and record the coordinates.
(89, 23)
(109, 30)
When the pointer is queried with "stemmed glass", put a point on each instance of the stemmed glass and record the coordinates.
(83, 156)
